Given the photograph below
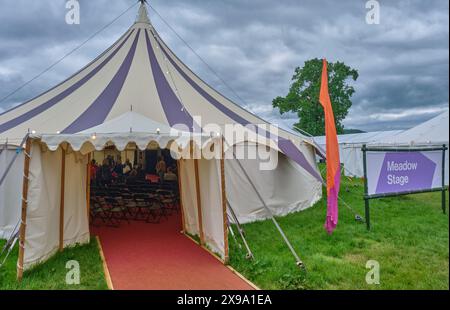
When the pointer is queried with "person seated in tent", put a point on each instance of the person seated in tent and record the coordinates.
(170, 176)
(132, 176)
(118, 169)
(161, 168)
(127, 167)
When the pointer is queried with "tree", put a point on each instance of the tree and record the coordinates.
(303, 96)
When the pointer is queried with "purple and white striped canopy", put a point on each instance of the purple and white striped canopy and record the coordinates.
(141, 73)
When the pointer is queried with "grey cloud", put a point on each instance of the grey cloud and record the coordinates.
(255, 46)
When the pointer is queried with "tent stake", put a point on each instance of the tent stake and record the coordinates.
(26, 173)
(286, 240)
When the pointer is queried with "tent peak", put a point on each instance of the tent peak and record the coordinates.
(143, 14)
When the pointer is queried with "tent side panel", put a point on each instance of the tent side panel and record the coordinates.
(42, 230)
(76, 226)
(10, 192)
(352, 157)
(212, 209)
(287, 188)
(187, 175)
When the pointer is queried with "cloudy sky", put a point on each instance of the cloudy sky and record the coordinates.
(254, 45)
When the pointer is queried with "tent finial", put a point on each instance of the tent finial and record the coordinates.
(143, 14)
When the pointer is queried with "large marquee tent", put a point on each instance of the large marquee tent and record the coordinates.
(134, 86)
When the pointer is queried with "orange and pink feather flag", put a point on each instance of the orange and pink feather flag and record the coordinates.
(332, 154)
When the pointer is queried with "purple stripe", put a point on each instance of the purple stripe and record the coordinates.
(289, 148)
(100, 108)
(286, 146)
(172, 106)
(61, 96)
(234, 116)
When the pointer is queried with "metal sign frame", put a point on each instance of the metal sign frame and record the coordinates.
(368, 197)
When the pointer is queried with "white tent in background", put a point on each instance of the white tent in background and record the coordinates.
(432, 132)
(350, 149)
(135, 86)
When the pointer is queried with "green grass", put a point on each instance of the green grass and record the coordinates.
(409, 239)
(52, 274)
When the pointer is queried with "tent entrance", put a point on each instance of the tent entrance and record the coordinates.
(111, 189)
(132, 185)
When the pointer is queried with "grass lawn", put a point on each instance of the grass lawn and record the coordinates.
(52, 274)
(409, 239)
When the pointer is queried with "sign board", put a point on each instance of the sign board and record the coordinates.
(399, 172)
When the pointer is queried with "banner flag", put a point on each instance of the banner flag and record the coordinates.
(333, 162)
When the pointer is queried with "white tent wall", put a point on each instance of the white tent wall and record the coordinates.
(10, 190)
(211, 202)
(43, 210)
(352, 158)
(188, 197)
(285, 189)
(212, 208)
(76, 217)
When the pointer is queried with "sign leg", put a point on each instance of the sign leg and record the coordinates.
(366, 202)
(444, 203)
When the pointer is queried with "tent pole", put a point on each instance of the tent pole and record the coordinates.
(233, 234)
(88, 187)
(26, 173)
(199, 203)
(224, 205)
(61, 202)
(241, 232)
(286, 240)
(180, 192)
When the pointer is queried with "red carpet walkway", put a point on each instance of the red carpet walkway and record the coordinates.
(145, 256)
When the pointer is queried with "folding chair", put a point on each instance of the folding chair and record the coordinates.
(117, 209)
